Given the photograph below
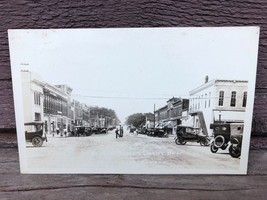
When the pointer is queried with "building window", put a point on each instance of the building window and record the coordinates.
(37, 98)
(202, 99)
(233, 99)
(45, 102)
(37, 116)
(205, 100)
(209, 98)
(244, 104)
(221, 97)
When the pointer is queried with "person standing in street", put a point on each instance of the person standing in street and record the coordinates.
(117, 133)
(65, 132)
(57, 130)
(121, 131)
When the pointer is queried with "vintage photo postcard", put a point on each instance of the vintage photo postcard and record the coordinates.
(134, 100)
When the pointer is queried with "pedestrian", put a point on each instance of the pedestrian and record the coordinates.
(57, 130)
(121, 131)
(117, 133)
(65, 132)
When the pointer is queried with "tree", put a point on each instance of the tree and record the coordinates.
(101, 112)
(136, 119)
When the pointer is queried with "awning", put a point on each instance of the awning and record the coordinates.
(168, 124)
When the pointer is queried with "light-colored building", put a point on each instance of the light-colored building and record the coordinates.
(219, 101)
(57, 108)
(86, 115)
(78, 113)
(52, 104)
(44, 102)
(33, 96)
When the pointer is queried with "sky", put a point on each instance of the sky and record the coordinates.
(131, 69)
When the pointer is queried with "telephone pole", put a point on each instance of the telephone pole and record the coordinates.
(154, 116)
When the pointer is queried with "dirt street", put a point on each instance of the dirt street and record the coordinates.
(134, 154)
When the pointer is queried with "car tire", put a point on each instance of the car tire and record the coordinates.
(235, 152)
(37, 141)
(213, 148)
(177, 141)
(182, 141)
(219, 141)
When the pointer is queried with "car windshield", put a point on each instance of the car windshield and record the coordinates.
(33, 128)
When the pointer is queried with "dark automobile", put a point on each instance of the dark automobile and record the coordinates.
(227, 134)
(34, 133)
(132, 129)
(111, 128)
(187, 133)
(81, 131)
(98, 130)
(156, 132)
(141, 130)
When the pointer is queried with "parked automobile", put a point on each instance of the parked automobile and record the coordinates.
(111, 128)
(34, 133)
(141, 130)
(156, 132)
(132, 129)
(227, 134)
(190, 134)
(81, 131)
(98, 130)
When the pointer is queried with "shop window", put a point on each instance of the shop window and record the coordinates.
(244, 104)
(233, 99)
(221, 98)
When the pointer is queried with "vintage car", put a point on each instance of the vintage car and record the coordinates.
(190, 134)
(132, 129)
(227, 134)
(111, 128)
(141, 130)
(99, 130)
(34, 133)
(81, 131)
(156, 132)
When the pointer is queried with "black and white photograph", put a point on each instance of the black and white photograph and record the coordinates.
(134, 100)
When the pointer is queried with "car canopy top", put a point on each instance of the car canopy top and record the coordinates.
(34, 123)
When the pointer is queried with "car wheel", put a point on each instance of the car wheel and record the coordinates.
(213, 148)
(204, 142)
(182, 141)
(234, 151)
(177, 141)
(37, 141)
(219, 141)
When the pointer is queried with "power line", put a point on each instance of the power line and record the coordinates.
(147, 98)
(114, 97)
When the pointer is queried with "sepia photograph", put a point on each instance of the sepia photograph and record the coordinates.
(134, 100)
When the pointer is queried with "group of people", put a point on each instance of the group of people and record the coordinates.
(119, 132)
(58, 131)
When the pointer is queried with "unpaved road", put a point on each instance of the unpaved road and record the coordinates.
(134, 154)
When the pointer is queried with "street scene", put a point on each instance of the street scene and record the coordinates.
(132, 153)
(152, 100)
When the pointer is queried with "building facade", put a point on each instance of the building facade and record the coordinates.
(57, 108)
(33, 96)
(171, 115)
(53, 105)
(219, 101)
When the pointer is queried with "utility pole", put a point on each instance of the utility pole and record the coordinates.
(154, 116)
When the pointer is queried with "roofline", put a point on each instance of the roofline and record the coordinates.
(213, 82)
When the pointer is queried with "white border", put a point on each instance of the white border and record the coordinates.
(17, 91)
